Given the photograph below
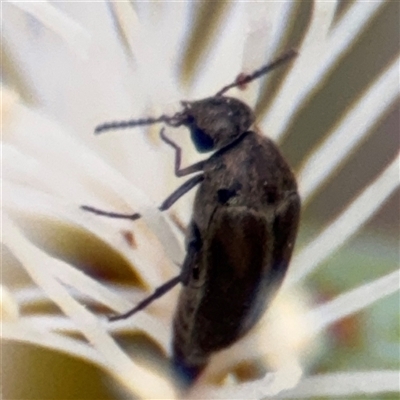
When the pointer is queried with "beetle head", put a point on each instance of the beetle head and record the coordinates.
(216, 121)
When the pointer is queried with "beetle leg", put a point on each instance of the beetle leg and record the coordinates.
(159, 292)
(174, 196)
(111, 214)
(178, 158)
(167, 203)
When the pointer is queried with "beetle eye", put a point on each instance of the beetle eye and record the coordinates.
(224, 195)
(201, 140)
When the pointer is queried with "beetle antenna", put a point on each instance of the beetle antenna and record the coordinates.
(178, 118)
(174, 120)
(243, 79)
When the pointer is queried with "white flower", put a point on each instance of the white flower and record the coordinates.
(70, 66)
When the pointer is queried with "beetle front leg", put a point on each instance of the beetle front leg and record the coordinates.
(178, 158)
(171, 199)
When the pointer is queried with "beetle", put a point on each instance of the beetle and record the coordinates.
(243, 228)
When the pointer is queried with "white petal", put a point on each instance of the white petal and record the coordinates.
(270, 385)
(353, 301)
(37, 264)
(24, 332)
(8, 305)
(297, 81)
(68, 29)
(227, 50)
(346, 384)
(353, 128)
(85, 172)
(318, 55)
(346, 225)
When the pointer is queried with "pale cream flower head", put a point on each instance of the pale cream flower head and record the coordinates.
(70, 66)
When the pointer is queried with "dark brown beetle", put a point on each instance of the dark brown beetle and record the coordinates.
(242, 232)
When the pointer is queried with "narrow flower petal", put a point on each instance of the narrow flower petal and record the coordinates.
(9, 307)
(142, 322)
(37, 264)
(346, 384)
(309, 72)
(353, 301)
(263, 34)
(279, 339)
(63, 272)
(212, 75)
(270, 385)
(127, 23)
(84, 168)
(29, 204)
(353, 128)
(346, 225)
(348, 29)
(97, 292)
(158, 60)
(77, 37)
(22, 331)
(279, 23)
(256, 48)
(300, 76)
